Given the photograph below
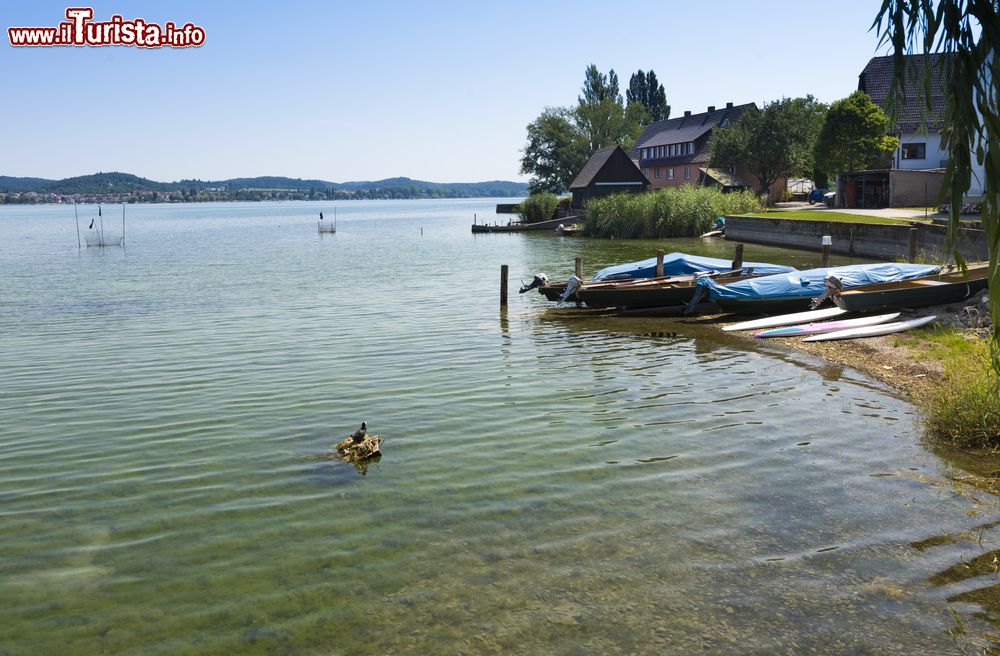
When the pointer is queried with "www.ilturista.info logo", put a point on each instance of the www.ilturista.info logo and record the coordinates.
(81, 30)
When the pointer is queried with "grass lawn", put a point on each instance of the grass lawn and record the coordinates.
(830, 216)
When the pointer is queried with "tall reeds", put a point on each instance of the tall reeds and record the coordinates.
(688, 211)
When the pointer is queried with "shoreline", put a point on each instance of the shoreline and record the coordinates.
(899, 360)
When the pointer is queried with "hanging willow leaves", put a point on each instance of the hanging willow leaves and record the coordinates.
(969, 32)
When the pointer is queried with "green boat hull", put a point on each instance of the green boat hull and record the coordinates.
(637, 297)
(886, 297)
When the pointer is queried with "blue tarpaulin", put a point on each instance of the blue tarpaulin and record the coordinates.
(809, 283)
(681, 264)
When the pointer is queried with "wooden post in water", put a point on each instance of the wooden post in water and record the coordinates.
(738, 262)
(76, 214)
(503, 285)
(827, 245)
(912, 252)
(578, 267)
(659, 263)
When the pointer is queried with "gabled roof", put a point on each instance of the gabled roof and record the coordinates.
(688, 128)
(724, 178)
(911, 112)
(597, 162)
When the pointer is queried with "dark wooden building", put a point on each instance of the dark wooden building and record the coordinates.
(608, 171)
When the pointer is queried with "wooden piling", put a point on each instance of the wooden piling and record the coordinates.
(503, 285)
(578, 267)
(659, 263)
(914, 234)
(826, 245)
(738, 262)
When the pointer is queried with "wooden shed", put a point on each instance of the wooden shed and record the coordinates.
(608, 171)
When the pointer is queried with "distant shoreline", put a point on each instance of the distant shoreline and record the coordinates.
(105, 201)
(128, 188)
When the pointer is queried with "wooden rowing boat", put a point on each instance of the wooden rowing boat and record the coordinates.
(952, 286)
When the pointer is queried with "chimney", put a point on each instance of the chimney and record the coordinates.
(729, 105)
(711, 108)
(687, 113)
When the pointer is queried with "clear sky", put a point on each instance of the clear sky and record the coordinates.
(438, 91)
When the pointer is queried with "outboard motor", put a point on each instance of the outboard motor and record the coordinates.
(572, 287)
(833, 286)
(540, 281)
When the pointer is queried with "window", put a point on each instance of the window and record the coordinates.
(915, 151)
(690, 148)
(645, 172)
(658, 171)
(670, 174)
(687, 172)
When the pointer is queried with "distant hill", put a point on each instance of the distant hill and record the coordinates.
(8, 183)
(116, 183)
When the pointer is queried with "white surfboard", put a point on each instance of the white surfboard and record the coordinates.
(872, 331)
(787, 319)
(827, 326)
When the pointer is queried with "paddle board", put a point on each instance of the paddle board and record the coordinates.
(827, 326)
(872, 331)
(712, 233)
(787, 319)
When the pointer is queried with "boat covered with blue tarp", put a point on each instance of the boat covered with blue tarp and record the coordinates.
(794, 291)
(682, 264)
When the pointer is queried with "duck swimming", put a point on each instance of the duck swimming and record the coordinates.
(359, 435)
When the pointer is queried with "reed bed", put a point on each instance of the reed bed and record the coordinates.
(688, 211)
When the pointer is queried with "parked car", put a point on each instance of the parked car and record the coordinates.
(816, 195)
(830, 198)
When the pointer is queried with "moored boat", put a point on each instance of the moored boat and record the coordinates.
(794, 292)
(651, 293)
(951, 286)
(674, 265)
(679, 264)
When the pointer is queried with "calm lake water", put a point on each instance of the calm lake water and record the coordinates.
(549, 484)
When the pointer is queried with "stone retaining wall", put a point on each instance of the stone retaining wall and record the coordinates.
(876, 241)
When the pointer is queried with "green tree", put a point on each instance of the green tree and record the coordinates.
(644, 88)
(555, 152)
(776, 141)
(854, 136)
(971, 30)
(601, 116)
(561, 139)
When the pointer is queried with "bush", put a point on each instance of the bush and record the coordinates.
(965, 409)
(538, 207)
(685, 212)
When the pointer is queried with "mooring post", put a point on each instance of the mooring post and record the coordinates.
(914, 233)
(827, 245)
(503, 285)
(738, 262)
(659, 263)
(473, 219)
(578, 267)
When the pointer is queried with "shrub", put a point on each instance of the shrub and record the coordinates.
(684, 212)
(538, 207)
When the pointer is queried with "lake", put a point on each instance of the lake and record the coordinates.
(549, 483)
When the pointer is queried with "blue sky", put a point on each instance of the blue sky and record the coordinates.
(437, 91)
